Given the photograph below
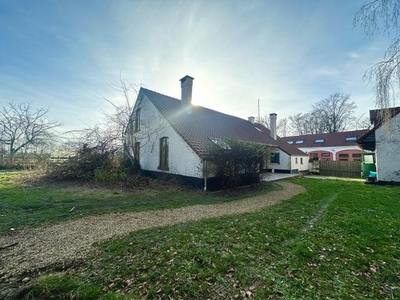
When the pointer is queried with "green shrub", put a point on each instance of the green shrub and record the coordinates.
(110, 175)
(236, 162)
(84, 164)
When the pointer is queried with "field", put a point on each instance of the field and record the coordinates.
(24, 204)
(339, 240)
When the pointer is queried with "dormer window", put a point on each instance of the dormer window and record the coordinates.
(221, 143)
(290, 142)
(319, 141)
(299, 142)
(137, 120)
(351, 139)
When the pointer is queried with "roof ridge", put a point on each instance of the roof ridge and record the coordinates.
(203, 107)
(323, 133)
(197, 129)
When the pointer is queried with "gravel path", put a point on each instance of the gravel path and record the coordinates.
(42, 247)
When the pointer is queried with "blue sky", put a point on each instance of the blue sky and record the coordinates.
(289, 54)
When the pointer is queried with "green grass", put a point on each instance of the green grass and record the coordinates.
(340, 240)
(22, 206)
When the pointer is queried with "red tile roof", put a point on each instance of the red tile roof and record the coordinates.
(333, 139)
(203, 124)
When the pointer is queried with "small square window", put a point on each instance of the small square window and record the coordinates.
(274, 158)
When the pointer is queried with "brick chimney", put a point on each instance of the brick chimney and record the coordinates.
(272, 125)
(186, 87)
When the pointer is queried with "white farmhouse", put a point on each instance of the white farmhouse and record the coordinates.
(172, 136)
(384, 139)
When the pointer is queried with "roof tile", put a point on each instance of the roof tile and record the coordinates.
(332, 139)
(203, 124)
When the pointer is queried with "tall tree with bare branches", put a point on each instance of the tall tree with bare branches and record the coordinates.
(22, 126)
(332, 114)
(113, 132)
(382, 17)
(335, 113)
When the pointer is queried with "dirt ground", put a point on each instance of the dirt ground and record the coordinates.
(34, 249)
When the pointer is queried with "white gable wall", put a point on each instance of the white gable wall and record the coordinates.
(287, 162)
(299, 162)
(182, 159)
(388, 151)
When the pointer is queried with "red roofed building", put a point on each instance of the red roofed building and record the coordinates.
(330, 146)
(172, 136)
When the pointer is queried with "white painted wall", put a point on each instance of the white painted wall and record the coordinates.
(287, 162)
(182, 159)
(388, 151)
(301, 164)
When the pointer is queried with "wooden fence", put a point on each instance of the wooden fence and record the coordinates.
(30, 162)
(351, 169)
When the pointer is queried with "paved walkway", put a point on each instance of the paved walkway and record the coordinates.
(278, 176)
(334, 178)
(55, 245)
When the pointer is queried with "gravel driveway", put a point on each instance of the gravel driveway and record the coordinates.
(43, 247)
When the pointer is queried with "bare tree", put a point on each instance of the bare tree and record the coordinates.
(263, 120)
(114, 131)
(335, 113)
(382, 17)
(282, 128)
(362, 122)
(307, 123)
(22, 126)
(332, 114)
(117, 133)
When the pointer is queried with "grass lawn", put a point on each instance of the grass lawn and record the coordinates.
(22, 205)
(340, 240)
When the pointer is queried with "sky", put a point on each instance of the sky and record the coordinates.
(287, 54)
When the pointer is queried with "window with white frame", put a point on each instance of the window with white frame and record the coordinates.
(137, 119)
(164, 151)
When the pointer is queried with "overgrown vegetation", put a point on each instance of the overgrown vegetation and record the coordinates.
(23, 204)
(337, 241)
(235, 162)
(99, 165)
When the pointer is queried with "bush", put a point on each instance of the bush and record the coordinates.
(84, 164)
(110, 175)
(236, 162)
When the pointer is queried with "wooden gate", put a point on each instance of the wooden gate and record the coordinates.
(350, 169)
